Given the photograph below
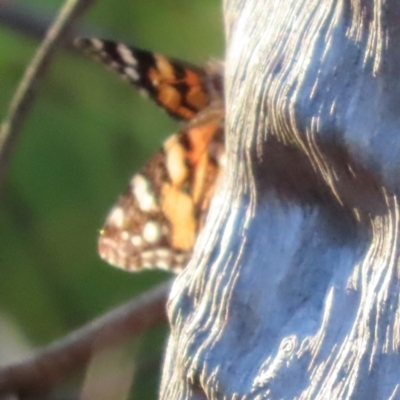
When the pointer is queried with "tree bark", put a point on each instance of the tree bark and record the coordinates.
(293, 290)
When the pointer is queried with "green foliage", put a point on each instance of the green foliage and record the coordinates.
(87, 134)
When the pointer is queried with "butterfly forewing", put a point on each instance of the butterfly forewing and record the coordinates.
(176, 86)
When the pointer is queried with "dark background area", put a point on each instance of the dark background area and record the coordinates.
(87, 134)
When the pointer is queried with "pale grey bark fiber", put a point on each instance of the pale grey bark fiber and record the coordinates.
(293, 291)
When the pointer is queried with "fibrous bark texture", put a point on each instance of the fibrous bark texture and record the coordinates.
(293, 290)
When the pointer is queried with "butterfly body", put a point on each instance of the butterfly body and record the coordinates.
(156, 221)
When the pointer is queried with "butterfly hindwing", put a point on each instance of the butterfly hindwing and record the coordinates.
(156, 221)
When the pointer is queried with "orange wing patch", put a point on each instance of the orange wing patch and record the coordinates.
(184, 103)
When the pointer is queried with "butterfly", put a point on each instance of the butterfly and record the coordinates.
(155, 222)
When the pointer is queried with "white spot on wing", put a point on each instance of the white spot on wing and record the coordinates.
(162, 264)
(175, 160)
(148, 255)
(151, 232)
(125, 235)
(163, 252)
(137, 240)
(97, 44)
(141, 190)
(126, 55)
(116, 217)
(147, 264)
(131, 73)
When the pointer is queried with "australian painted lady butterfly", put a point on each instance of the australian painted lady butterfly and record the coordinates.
(155, 223)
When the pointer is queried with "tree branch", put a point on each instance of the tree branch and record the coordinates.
(293, 293)
(56, 362)
(35, 23)
(25, 94)
(24, 20)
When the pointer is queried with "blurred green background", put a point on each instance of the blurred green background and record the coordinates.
(86, 135)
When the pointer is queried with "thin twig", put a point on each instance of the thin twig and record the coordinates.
(25, 93)
(56, 362)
